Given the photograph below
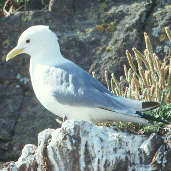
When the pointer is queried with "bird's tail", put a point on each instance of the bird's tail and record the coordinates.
(149, 106)
(141, 107)
(137, 105)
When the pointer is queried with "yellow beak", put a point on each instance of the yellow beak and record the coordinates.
(14, 52)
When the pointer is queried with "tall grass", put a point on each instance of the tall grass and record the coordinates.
(147, 79)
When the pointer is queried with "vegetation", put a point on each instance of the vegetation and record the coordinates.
(106, 27)
(149, 81)
(164, 112)
(9, 6)
(2, 2)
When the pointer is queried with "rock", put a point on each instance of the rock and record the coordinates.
(35, 5)
(93, 34)
(168, 164)
(28, 154)
(70, 6)
(150, 146)
(33, 119)
(159, 19)
(79, 145)
(160, 159)
(61, 7)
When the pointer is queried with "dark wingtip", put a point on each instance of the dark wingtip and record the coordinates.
(150, 105)
(152, 118)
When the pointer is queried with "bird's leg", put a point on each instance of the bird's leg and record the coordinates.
(64, 118)
(59, 121)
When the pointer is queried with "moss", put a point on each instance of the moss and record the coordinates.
(137, 6)
(102, 6)
(106, 27)
(162, 37)
(6, 43)
(107, 48)
(28, 17)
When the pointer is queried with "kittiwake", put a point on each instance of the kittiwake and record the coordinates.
(65, 89)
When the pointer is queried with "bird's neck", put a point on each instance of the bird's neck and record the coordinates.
(44, 57)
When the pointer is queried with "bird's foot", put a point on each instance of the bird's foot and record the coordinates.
(64, 118)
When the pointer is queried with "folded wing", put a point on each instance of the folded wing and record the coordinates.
(76, 87)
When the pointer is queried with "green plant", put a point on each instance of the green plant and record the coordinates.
(106, 27)
(158, 127)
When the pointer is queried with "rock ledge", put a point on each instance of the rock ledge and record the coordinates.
(79, 145)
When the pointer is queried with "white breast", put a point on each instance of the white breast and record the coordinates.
(43, 86)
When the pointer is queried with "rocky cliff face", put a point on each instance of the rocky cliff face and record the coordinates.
(79, 145)
(93, 34)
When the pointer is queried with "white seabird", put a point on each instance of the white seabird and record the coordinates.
(65, 89)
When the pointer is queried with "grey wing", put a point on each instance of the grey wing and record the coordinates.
(76, 87)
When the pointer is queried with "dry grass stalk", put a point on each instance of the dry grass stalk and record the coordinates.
(130, 61)
(114, 80)
(148, 43)
(129, 75)
(136, 83)
(116, 91)
(148, 77)
(141, 72)
(168, 32)
(169, 77)
(141, 56)
(93, 74)
(152, 92)
(125, 72)
(126, 92)
(132, 84)
(161, 78)
(169, 82)
(158, 93)
(157, 62)
(107, 80)
(149, 57)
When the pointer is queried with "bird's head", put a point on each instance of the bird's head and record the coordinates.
(33, 40)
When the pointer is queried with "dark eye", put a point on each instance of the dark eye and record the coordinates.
(28, 41)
